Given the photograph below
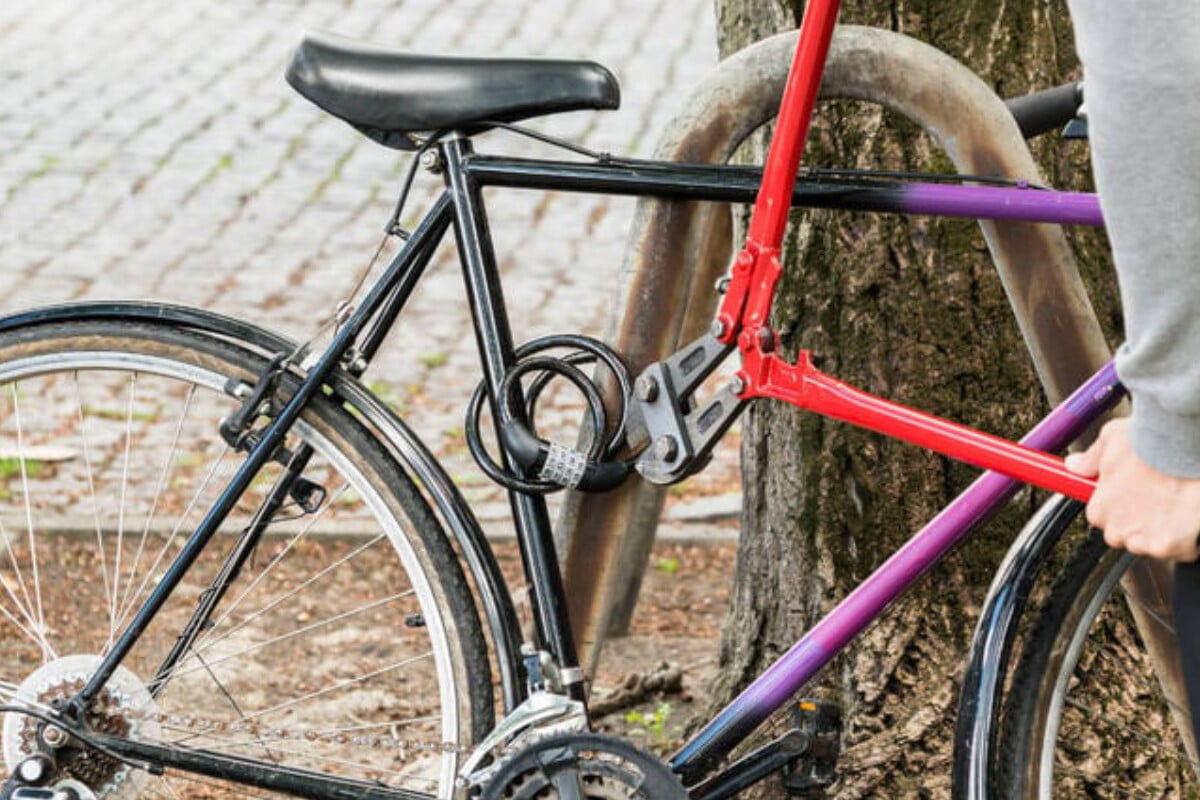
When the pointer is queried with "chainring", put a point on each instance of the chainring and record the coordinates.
(583, 766)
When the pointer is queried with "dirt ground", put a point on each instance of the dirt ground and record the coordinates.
(677, 623)
(675, 630)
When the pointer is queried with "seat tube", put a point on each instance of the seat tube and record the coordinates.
(494, 338)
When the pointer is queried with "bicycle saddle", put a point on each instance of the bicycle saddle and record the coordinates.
(389, 95)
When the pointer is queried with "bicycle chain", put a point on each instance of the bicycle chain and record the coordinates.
(406, 748)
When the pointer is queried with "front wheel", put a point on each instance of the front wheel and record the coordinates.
(347, 644)
(1086, 714)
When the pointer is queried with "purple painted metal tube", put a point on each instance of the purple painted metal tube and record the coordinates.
(864, 605)
(990, 202)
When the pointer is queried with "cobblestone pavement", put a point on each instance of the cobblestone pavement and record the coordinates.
(153, 150)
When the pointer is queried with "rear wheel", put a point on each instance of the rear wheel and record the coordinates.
(1086, 714)
(348, 644)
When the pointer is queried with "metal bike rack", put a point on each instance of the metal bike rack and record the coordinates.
(678, 249)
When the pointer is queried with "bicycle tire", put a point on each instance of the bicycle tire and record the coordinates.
(349, 644)
(1085, 715)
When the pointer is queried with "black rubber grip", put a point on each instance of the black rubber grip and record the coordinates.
(1047, 110)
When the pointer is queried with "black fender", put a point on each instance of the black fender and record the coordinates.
(398, 438)
(992, 645)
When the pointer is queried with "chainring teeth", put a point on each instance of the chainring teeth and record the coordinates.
(608, 769)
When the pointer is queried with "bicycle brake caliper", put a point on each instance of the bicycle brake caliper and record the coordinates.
(239, 433)
(683, 434)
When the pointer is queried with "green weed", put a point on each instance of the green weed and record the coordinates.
(667, 566)
(652, 727)
(10, 467)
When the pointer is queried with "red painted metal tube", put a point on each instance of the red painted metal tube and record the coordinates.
(755, 272)
(769, 219)
(803, 385)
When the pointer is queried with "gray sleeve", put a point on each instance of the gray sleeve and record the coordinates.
(1142, 95)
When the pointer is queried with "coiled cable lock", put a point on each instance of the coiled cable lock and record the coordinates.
(548, 466)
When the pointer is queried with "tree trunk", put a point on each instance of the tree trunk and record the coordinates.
(912, 310)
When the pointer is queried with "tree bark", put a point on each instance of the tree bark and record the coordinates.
(912, 310)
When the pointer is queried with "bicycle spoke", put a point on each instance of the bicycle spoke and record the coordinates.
(33, 550)
(350, 643)
(30, 633)
(207, 642)
(30, 610)
(159, 489)
(170, 790)
(122, 497)
(278, 559)
(340, 686)
(91, 482)
(391, 726)
(246, 745)
(167, 789)
(31, 629)
(232, 702)
(1166, 624)
(208, 785)
(176, 531)
(302, 631)
(9, 692)
(23, 610)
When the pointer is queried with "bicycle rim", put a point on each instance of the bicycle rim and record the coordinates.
(1086, 714)
(348, 644)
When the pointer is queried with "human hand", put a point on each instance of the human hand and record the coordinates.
(1140, 509)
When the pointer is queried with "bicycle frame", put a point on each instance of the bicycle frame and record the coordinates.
(743, 314)
(468, 174)
(771, 690)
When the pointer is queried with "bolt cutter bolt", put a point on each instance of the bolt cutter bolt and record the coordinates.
(766, 339)
(646, 389)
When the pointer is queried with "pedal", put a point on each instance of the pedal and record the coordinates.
(815, 770)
